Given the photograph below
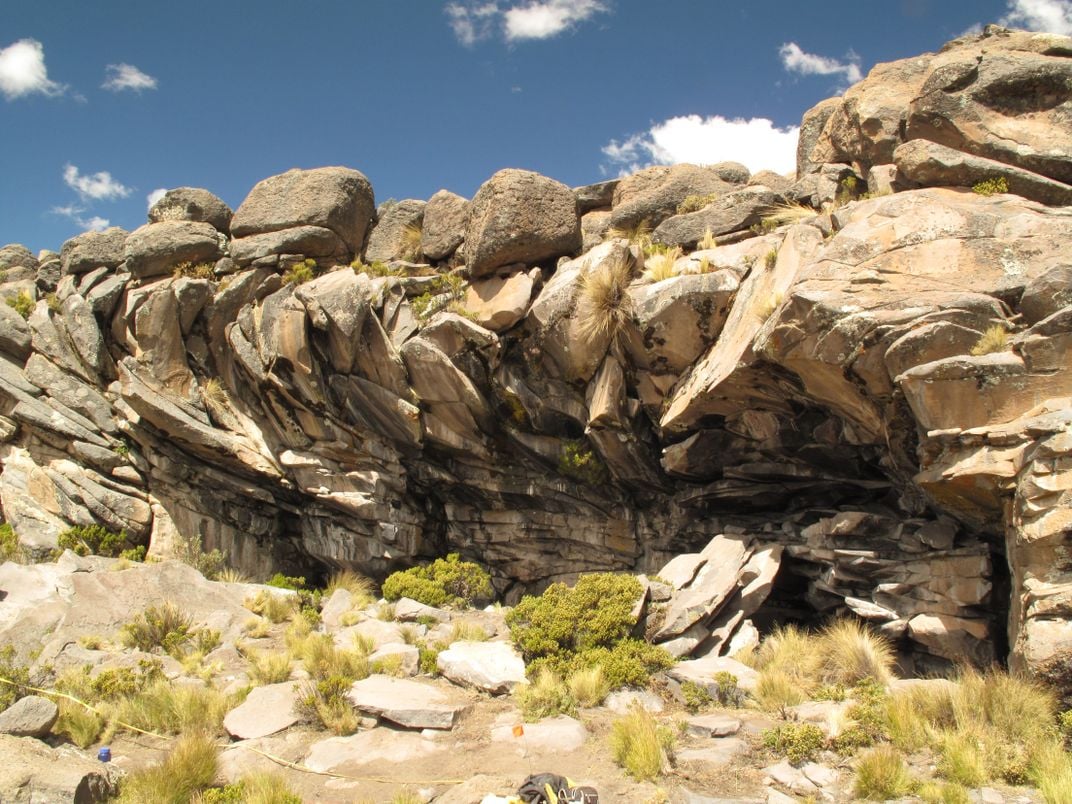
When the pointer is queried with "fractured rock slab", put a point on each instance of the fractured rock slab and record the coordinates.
(265, 711)
(490, 666)
(407, 703)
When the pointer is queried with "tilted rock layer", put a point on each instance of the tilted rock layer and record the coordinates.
(864, 411)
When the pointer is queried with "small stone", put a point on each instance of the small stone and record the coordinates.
(265, 711)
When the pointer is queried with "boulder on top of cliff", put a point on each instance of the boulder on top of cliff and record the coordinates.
(335, 198)
(999, 94)
(16, 255)
(91, 250)
(520, 217)
(595, 196)
(157, 248)
(652, 195)
(446, 217)
(397, 235)
(192, 204)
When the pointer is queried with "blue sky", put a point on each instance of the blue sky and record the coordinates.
(101, 104)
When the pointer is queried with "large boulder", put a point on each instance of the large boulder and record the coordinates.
(446, 217)
(156, 248)
(494, 667)
(396, 235)
(16, 255)
(520, 216)
(93, 250)
(654, 194)
(731, 212)
(335, 198)
(192, 204)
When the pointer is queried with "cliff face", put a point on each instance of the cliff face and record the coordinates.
(873, 394)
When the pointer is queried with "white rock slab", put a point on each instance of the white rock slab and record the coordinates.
(494, 667)
(367, 747)
(712, 726)
(265, 711)
(405, 702)
(559, 734)
(408, 611)
(702, 671)
(408, 655)
(624, 700)
(715, 752)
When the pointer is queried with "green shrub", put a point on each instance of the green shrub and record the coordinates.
(429, 658)
(377, 268)
(547, 696)
(169, 628)
(23, 304)
(300, 273)
(253, 788)
(1064, 723)
(9, 543)
(281, 581)
(325, 700)
(799, 742)
(579, 462)
(190, 550)
(697, 698)
(586, 626)
(992, 186)
(15, 673)
(445, 582)
(95, 540)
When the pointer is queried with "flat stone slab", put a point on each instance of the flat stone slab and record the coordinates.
(367, 747)
(624, 700)
(702, 671)
(265, 711)
(559, 734)
(407, 703)
(409, 657)
(712, 726)
(494, 667)
(716, 752)
(408, 611)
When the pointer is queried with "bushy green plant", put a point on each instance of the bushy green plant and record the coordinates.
(300, 273)
(94, 540)
(697, 698)
(798, 742)
(547, 696)
(584, 626)
(253, 788)
(23, 304)
(1064, 723)
(281, 581)
(201, 270)
(374, 269)
(992, 186)
(445, 582)
(9, 543)
(579, 462)
(14, 672)
(190, 550)
(325, 700)
(169, 628)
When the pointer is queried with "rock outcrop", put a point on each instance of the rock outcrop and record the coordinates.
(861, 411)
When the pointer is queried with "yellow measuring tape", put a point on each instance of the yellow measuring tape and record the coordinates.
(277, 759)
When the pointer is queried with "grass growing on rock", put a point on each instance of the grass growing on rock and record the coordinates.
(995, 339)
(10, 550)
(361, 589)
(662, 265)
(603, 301)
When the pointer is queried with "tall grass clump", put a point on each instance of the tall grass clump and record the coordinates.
(190, 768)
(662, 265)
(603, 301)
(361, 589)
(881, 775)
(995, 339)
(547, 696)
(852, 653)
(639, 234)
(787, 213)
(640, 745)
(588, 686)
(409, 246)
(276, 608)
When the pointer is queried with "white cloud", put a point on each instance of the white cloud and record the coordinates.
(92, 224)
(796, 60)
(23, 72)
(1050, 16)
(126, 76)
(476, 20)
(155, 196)
(756, 143)
(543, 20)
(472, 21)
(100, 186)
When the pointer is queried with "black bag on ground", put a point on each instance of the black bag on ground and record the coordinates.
(550, 788)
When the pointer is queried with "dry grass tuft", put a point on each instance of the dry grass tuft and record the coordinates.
(789, 212)
(268, 667)
(777, 690)
(276, 608)
(639, 234)
(640, 746)
(190, 767)
(409, 246)
(547, 696)
(995, 339)
(852, 653)
(708, 241)
(361, 589)
(662, 265)
(604, 304)
(588, 686)
(463, 631)
(881, 775)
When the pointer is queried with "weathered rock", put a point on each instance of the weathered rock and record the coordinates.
(500, 301)
(653, 194)
(709, 589)
(595, 196)
(558, 734)
(494, 667)
(712, 726)
(1047, 293)
(54, 775)
(407, 611)
(520, 216)
(335, 198)
(407, 658)
(31, 716)
(932, 165)
(718, 752)
(157, 248)
(192, 204)
(92, 250)
(374, 747)
(730, 212)
(310, 241)
(594, 228)
(702, 672)
(412, 704)
(14, 333)
(446, 219)
(16, 255)
(394, 235)
(265, 711)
